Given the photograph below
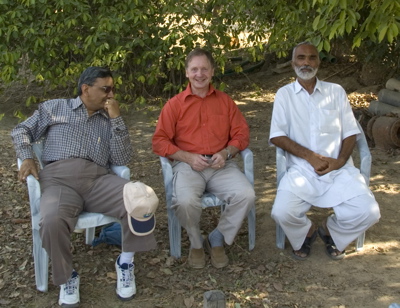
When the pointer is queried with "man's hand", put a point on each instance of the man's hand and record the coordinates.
(333, 164)
(198, 162)
(318, 162)
(218, 160)
(28, 167)
(112, 108)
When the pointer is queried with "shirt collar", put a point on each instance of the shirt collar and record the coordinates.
(298, 87)
(76, 102)
(188, 91)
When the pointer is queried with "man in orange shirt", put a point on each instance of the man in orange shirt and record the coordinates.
(201, 129)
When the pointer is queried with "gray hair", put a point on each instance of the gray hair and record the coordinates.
(90, 75)
(301, 44)
(199, 52)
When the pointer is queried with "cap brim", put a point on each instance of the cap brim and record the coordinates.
(141, 228)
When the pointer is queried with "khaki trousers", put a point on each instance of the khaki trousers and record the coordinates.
(69, 187)
(228, 183)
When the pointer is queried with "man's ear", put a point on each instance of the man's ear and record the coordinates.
(85, 89)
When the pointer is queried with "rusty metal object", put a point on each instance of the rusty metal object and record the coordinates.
(385, 132)
(369, 127)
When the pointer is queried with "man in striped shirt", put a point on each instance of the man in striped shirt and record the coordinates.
(83, 137)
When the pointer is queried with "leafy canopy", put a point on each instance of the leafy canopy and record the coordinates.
(145, 41)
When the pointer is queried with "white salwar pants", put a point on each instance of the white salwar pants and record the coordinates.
(351, 219)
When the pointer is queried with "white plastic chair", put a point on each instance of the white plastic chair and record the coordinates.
(88, 221)
(208, 200)
(365, 169)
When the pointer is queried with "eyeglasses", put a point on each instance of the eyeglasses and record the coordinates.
(106, 89)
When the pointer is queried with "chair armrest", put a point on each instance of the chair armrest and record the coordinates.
(365, 154)
(280, 164)
(247, 156)
(122, 171)
(167, 175)
(34, 197)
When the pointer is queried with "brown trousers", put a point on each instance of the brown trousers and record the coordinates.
(69, 187)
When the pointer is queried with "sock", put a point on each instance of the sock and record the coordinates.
(216, 238)
(126, 257)
(201, 245)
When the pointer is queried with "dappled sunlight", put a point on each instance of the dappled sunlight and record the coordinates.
(300, 182)
(388, 248)
(240, 103)
(378, 183)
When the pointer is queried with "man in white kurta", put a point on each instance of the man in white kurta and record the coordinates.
(313, 122)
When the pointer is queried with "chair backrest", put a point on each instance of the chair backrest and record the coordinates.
(363, 149)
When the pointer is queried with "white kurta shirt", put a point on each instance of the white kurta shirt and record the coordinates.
(319, 122)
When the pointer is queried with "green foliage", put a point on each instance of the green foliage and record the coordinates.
(145, 42)
(362, 22)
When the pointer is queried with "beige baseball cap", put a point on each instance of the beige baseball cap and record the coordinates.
(141, 203)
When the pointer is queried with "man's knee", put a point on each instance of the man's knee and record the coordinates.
(369, 209)
(250, 195)
(55, 217)
(280, 214)
(373, 212)
(51, 224)
(185, 202)
(245, 195)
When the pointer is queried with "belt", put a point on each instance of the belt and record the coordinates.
(49, 162)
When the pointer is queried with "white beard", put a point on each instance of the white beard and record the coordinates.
(305, 75)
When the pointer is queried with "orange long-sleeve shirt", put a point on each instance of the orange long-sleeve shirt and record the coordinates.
(200, 125)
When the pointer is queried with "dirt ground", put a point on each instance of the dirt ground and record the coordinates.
(264, 277)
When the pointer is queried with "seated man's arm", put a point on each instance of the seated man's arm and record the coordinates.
(321, 164)
(22, 136)
(345, 152)
(314, 159)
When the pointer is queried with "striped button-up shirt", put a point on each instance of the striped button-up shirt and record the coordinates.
(70, 133)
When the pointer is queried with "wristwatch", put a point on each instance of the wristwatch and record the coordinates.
(229, 154)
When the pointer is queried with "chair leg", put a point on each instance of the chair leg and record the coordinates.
(174, 228)
(252, 228)
(360, 242)
(41, 262)
(90, 235)
(280, 237)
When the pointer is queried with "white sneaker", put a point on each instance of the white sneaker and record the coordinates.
(69, 292)
(126, 287)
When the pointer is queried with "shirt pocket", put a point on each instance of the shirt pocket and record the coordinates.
(219, 127)
(329, 121)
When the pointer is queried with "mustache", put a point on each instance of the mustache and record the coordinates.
(306, 67)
